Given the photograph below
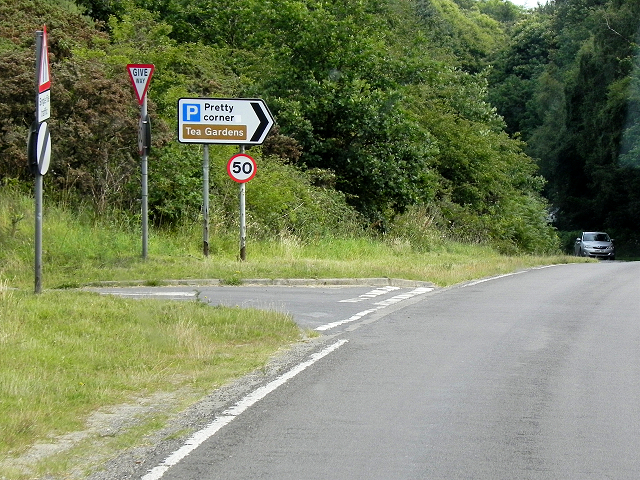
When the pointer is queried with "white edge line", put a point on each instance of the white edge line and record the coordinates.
(228, 415)
(471, 284)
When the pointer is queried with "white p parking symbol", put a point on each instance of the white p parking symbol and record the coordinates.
(191, 112)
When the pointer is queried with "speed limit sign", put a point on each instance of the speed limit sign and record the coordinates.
(241, 168)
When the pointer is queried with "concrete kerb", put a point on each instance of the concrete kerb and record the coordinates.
(293, 282)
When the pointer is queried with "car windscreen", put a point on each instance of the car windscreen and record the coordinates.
(596, 237)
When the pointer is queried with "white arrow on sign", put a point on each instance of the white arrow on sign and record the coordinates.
(239, 121)
(140, 75)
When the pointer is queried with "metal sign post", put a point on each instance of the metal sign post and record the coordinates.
(242, 168)
(144, 173)
(243, 217)
(38, 187)
(39, 144)
(140, 75)
(243, 223)
(205, 201)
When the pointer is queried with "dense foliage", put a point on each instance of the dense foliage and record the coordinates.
(382, 106)
(567, 80)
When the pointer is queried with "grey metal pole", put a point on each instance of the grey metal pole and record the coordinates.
(38, 233)
(145, 188)
(38, 183)
(243, 226)
(205, 200)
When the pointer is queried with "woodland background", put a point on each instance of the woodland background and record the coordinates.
(484, 121)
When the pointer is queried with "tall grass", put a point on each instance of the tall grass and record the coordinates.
(80, 248)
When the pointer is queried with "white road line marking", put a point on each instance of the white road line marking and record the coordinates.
(228, 415)
(370, 294)
(380, 305)
(471, 284)
(353, 318)
(404, 296)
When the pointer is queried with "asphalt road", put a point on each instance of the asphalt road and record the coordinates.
(325, 308)
(528, 376)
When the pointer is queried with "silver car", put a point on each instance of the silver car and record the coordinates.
(595, 245)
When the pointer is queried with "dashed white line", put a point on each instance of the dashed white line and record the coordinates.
(404, 296)
(371, 294)
(228, 415)
(380, 305)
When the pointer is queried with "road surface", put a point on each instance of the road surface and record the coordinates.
(321, 308)
(528, 376)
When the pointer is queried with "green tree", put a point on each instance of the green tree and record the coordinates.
(384, 100)
(567, 87)
(488, 187)
(93, 128)
(517, 69)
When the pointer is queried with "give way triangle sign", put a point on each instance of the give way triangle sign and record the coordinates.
(140, 75)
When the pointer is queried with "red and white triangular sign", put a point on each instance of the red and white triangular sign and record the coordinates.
(44, 80)
(140, 78)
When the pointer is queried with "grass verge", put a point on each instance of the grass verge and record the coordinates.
(67, 354)
(444, 264)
